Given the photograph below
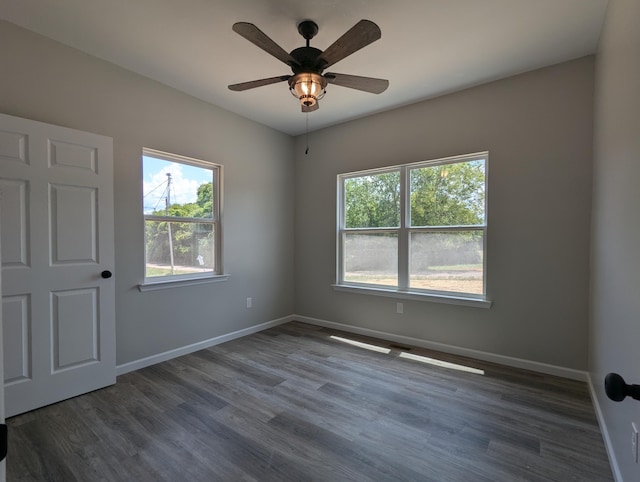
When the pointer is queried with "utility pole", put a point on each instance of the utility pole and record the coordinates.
(167, 201)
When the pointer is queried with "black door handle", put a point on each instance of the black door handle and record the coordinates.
(617, 389)
(106, 274)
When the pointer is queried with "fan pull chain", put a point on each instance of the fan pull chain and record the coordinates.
(306, 152)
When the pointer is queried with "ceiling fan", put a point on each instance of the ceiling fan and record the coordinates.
(308, 83)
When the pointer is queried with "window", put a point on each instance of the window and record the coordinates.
(416, 228)
(181, 198)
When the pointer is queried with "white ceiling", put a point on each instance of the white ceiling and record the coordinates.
(428, 47)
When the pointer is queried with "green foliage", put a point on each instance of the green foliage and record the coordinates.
(205, 200)
(448, 195)
(443, 195)
(373, 201)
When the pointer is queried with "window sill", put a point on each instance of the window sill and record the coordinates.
(161, 284)
(412, 295)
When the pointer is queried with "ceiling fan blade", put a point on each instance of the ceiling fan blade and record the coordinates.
(360, 35)
(257, 83)
(368, 84)
(311, 108)
(257, 37)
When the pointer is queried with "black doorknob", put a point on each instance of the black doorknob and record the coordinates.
(106, 274)
(617, 389)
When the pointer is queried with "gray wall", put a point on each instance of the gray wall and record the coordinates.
(48, 82)
(615, 297)
(537, 128)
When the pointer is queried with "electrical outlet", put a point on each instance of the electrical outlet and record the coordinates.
(399, 308)
(634, 442)
(249, 302)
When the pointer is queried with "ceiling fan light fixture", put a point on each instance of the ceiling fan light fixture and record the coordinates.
(308, 87)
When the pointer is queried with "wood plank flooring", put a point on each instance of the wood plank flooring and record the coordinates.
(294, 403)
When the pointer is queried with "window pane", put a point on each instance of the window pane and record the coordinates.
(448, 261)
(193, 248)
(177, 189)
(372, 201)
(371, 258)
(448, 194)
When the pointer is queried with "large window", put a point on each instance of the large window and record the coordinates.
(416, 228)
(181, 198)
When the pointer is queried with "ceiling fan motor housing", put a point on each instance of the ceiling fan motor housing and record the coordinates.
(307, 58)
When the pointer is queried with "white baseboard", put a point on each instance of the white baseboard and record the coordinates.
(454, 350)
(613, 462)
(201, 345)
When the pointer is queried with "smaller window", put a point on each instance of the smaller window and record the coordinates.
(181, 199)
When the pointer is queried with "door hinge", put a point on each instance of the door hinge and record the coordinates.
(3, 441)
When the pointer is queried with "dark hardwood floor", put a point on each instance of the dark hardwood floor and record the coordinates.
(294, 404)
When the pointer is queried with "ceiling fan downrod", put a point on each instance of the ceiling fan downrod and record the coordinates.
(308, 29)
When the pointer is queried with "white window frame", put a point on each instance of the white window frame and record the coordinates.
(168, 281)
(403, 232)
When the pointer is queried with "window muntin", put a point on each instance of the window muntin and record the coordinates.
(181, 198)
(436, 242)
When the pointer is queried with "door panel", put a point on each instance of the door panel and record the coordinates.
(56, 211)
(13, 146)
(14, 220)
(16, 326)
(73, 155)
(73, 224)
(75, 328)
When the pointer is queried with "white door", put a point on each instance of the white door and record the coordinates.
(56, 211)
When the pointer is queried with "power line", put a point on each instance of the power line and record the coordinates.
(157, 187)
(166, 194)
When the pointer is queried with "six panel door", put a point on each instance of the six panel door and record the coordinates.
(56, 210)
